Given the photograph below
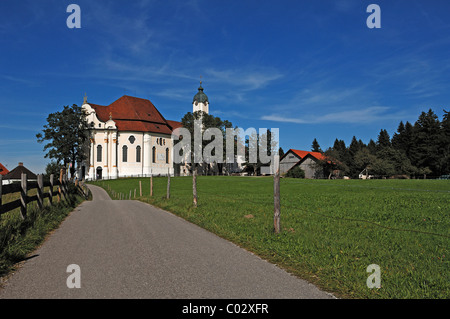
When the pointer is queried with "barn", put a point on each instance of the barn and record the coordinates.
(306, 160)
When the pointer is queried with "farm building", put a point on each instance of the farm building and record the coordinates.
(16, 174)
(3, 170)
(306, 160)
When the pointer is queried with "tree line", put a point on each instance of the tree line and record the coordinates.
(415, 150)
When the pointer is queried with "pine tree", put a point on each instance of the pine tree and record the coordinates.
(445, 142)
(383, 140)
(425, 151)
(353, 149)
(398, 141)
(315, 147)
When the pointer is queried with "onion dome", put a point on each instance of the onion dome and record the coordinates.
(200, 97)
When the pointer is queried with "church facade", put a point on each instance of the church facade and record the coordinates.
(130, 137)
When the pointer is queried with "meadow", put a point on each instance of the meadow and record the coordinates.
(332, 230)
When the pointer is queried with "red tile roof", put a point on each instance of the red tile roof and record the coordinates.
(302, 154)
(3, 170)
(134, 114)
(174, 124)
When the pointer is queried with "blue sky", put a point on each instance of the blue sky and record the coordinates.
(313, 69)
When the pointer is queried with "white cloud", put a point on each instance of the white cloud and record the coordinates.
(351, 116)
(245, 79)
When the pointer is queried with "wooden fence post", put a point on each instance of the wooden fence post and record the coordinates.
(60, 185)
(194, 185)
(276, 195)
(151, 185)
(51, 190)
(168, 183)
(40, 190)
(66, 182)
(23, 196)
(140, 188)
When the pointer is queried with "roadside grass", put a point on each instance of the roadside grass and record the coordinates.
(332, 229)
(19, 238)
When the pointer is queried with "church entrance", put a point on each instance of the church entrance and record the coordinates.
(99, 172)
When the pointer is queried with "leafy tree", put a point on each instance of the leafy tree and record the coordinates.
(330, 163)
(66, 133)
(53, 168)
(364, 159)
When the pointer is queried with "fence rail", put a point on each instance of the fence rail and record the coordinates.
(25, 185)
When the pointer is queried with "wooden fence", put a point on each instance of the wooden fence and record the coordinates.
(25, 185)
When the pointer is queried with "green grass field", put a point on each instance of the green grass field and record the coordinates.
(332, 229)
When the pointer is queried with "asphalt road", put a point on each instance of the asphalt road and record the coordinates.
(129, 249)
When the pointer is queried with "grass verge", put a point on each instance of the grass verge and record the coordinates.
(19, 238)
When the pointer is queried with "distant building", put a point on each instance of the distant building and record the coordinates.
(305, 159)
(3, 170)
(16, 174)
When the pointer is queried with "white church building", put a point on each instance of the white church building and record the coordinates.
(130, 137)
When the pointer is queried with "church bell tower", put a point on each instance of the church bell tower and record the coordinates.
(200, 102)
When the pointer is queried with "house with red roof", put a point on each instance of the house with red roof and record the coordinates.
(3, 170)
(306, 160)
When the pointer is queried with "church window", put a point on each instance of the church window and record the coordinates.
(99, 153)
(154, 154)
(138, 154)
(132, 139)
(124, 153)
(167, 156)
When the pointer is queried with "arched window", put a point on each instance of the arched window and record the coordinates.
(124, 153)
(138, 154)
(154, 154)
(99, 153)
(167, 156)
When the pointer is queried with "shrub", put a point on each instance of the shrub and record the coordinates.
(296, 172)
